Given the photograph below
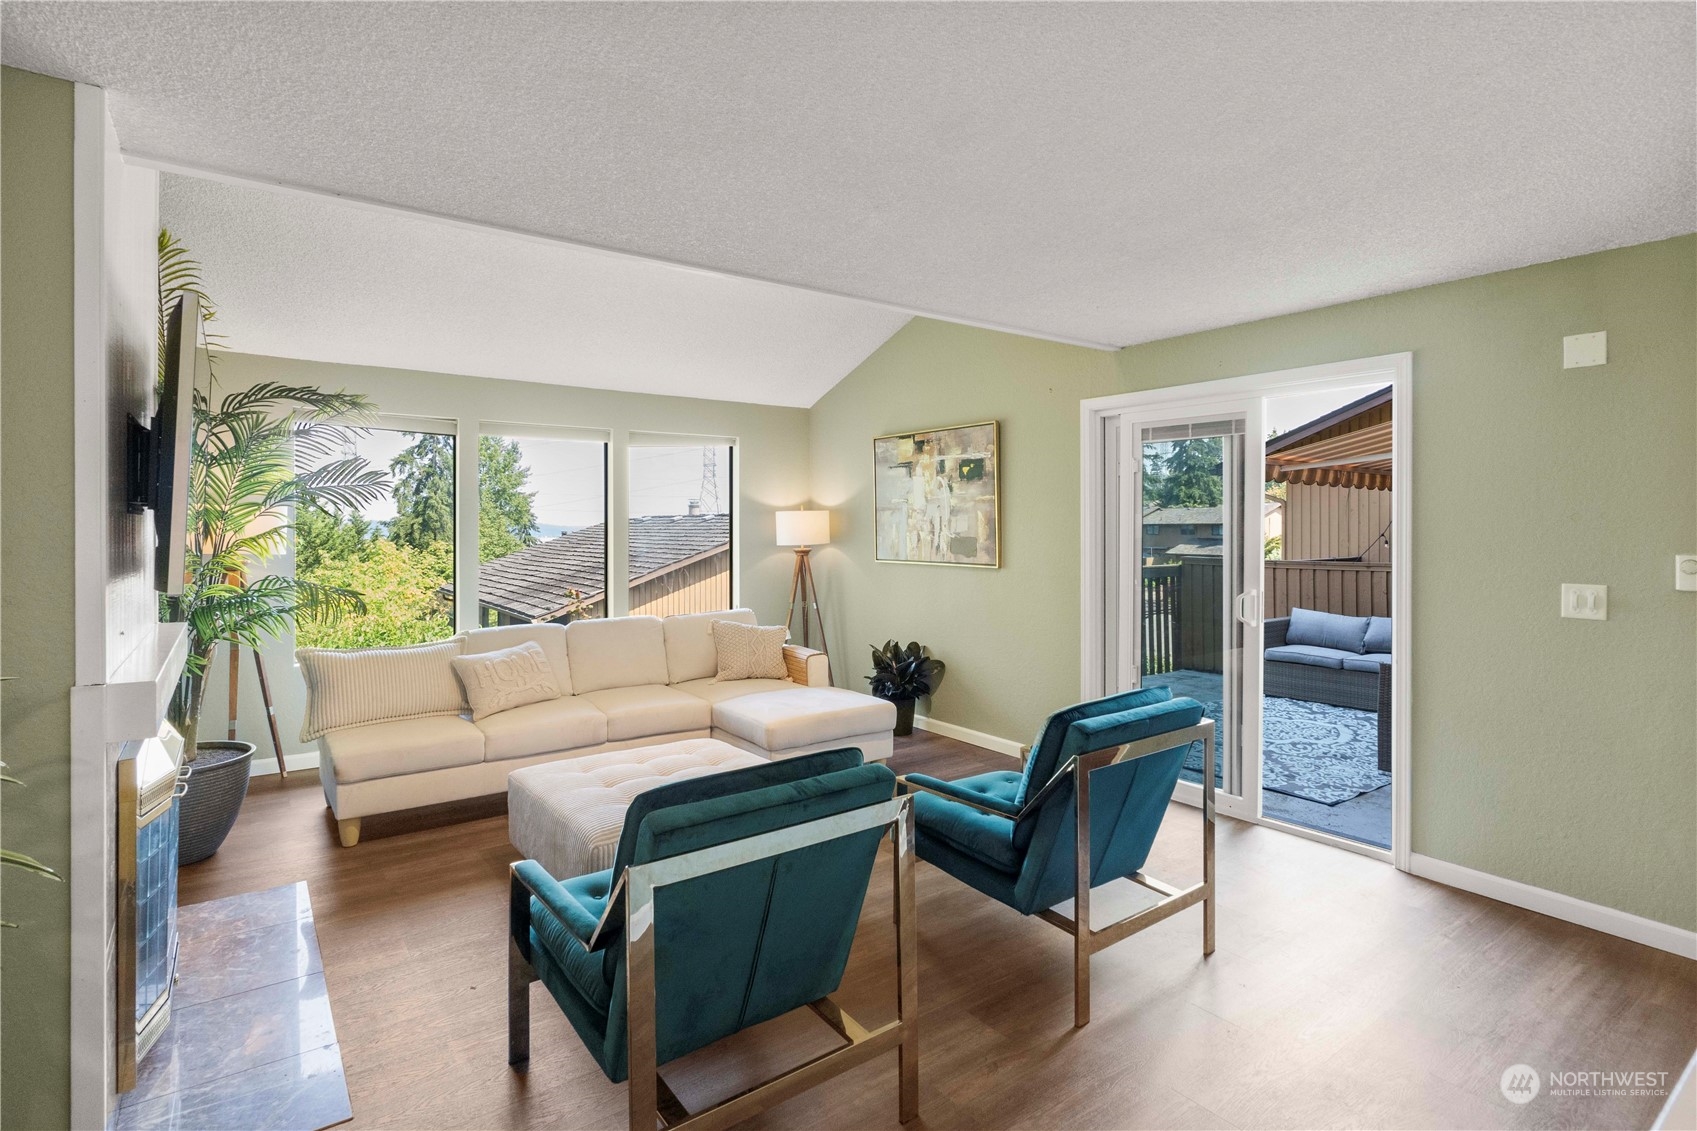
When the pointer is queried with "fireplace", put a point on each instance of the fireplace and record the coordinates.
(148, 773)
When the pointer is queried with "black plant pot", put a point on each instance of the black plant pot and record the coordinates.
(904, 716)
(213, 796)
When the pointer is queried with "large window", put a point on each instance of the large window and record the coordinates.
(398, 552)
(681, 494)
(542, 528)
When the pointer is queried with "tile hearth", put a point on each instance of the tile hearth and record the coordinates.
(251, 1042)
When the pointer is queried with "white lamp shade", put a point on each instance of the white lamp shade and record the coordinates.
(804, 528)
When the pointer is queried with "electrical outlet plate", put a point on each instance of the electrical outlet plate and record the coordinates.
(1685, 572)
(1581, 350)
(1585, 602)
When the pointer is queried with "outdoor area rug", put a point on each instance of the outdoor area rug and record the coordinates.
(1314, 751)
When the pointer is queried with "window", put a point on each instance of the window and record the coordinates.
(1150, 530)
(1219, 530)
(1187, 528)
(397, 553)
(542, 527)
(680, 525)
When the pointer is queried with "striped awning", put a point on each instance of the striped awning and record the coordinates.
(1349, 451)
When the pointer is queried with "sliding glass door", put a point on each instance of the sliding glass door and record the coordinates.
(1182, 578)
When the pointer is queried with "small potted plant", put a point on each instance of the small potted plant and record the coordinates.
(901, 675)
(244, 489)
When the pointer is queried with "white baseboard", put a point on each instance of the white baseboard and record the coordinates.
(265, 766)
(1610, 921)
(964, 734)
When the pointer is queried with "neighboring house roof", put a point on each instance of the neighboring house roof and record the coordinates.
(538, 582)
(1183, 516)
(1193, 550)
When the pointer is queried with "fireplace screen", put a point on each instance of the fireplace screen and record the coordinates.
(147, 896)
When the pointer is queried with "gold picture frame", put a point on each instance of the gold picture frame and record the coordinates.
(937, 497)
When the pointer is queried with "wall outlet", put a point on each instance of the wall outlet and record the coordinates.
(1585, 602)
(1581, 350)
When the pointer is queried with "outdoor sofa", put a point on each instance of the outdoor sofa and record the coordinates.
(1330, 658)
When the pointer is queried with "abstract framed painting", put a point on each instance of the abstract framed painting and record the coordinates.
(937, 496)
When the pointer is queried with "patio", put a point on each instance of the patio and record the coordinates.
(1319, 762)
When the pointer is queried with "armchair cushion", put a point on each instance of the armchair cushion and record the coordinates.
(574, 906)
(1327, 630)
(1046, 755)
(1371, 662)
(996, 789)
(1378, 634)
(982, 836)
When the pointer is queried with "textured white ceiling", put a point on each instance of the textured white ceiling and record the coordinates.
(1108, 173)
(297, 275)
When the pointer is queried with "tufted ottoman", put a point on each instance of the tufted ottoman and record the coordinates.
(567, 815)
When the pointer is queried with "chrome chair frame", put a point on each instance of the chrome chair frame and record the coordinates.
(1088, 940)
(652, 1102)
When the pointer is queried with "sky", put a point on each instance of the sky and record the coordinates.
(1285, 413)
(567, 477)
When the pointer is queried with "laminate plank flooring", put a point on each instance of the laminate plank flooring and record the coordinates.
(1342, 993)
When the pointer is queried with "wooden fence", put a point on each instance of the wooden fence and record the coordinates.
(1184, 606)
(1355, 589)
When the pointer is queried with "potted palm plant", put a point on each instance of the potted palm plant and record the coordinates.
(260, 454)
(901, 675)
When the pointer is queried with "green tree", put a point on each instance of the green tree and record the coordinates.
(424, 492)
(506, 519)
(424, 496)
(321, 536)
(403, 599)
(1190, 474)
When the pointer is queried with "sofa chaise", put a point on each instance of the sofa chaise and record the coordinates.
(394, 730)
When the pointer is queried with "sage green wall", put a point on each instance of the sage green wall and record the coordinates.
(1559, 753)
(1009, 636)
(36, 127)
(771, 473)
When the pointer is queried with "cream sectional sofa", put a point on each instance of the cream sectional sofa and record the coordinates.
(391, 737)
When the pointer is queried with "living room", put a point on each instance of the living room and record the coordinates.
(861, 291)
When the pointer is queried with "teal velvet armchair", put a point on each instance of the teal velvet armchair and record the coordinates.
(1082, 813)
(732, 899)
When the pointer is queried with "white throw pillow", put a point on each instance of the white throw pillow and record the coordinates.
(749, 651)
(349, 688)
(511, 677)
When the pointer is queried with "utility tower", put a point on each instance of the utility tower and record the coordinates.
(709, 493)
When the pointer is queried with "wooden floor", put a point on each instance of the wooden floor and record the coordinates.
(1343, 993)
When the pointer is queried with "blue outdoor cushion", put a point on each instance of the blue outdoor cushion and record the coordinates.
(1378, 634)
(1368, 663)
(1327, 630)
(1310, 655)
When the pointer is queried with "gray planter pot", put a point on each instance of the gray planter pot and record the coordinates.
(214, 792)
(904, 716)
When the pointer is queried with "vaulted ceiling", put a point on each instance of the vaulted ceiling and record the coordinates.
(1098, 173)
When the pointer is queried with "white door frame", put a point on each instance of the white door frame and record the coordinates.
(1395, 370)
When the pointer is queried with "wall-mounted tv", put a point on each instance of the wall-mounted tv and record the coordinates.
(159, 451)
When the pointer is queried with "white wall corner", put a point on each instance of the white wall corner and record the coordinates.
(1609, 920)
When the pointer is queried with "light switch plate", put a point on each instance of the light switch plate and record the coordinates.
(1685, 572)
(1581, 350)
(1585, 602)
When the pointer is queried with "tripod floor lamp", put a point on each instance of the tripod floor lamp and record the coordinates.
(805, 529)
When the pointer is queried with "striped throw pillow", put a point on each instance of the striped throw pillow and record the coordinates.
(350, 688)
